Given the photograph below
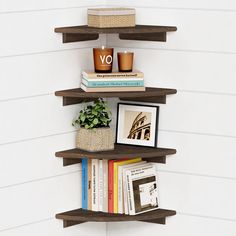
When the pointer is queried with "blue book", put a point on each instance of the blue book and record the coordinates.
(113, 83)
(85, 183)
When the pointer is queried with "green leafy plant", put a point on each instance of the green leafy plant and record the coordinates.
(94, 116)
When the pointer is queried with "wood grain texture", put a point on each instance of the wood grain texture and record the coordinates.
(84, 29)
(139, 32)
(80, 216)
(120, 152)
(156, 95)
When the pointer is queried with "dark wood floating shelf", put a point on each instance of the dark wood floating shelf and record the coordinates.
(153, 95)
(139, 32)
(79, 216)
(157, 155)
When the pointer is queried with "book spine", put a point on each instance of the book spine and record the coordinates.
(113, 79)
(113, 75)
(100, 185)
(97, 84)
(115, 188)
(89, 184)
(105, 185)
(84, 184)
(126, 210)
(120, 191)
(112, 89)
(129, 198)
(110, 187)
(94, 185)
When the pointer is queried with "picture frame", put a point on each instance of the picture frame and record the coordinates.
(137, 124)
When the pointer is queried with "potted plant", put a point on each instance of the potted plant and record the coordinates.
(94, 133)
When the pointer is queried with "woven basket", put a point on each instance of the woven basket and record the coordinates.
(99, 139)
(111, 17)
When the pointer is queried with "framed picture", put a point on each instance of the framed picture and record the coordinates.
(137, 124)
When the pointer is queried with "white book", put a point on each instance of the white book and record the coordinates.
(125, 189)
(95, 185)
(113, 75)
(100, 186)
(105, 185)
(111, 79)
(142, 189)
(121, 193)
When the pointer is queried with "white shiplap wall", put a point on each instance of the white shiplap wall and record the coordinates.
(199, 60)
(34, 63)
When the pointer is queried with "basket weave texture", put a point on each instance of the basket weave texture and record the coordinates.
(99, 139)
(111, 21)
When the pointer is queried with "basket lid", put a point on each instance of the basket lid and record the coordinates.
(111, 11)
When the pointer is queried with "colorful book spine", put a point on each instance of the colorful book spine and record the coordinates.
(115, 191)
(128, 83)
(110, 186)
(95, 197)
(84, 184)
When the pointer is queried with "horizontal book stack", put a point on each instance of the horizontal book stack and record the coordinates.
(112, 82)
(127, 186)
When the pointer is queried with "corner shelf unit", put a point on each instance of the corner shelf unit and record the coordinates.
(152, 95)
(157, 155)
(79, 216)
(139, 32)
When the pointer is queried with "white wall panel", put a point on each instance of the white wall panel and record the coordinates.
(54, 227)
(29, 5)
(179, 225)
(199, 112)
(195, 71)
(42, 73)
(199, 154)
(36, 157)
(197, 30)
(39, 200)
(200, 4)
(33, 32)
(35, 117)
(198, 195)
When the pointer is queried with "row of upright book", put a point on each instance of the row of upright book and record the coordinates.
(112, 82)
(127, 186)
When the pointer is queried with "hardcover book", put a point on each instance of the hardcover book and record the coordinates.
(84, 184)
(116, 83)
(89, 184)
(112, 89)
(142, 189)
(116, 165)
(122, 197)
(95, 179)
(105, 185)
(100, 185)
(110, 186)
(113, 75)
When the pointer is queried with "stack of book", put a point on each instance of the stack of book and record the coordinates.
(112, 82)
(127, 186)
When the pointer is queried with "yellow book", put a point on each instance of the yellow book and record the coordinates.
(116, 165)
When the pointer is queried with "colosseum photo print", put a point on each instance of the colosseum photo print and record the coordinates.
(137, 124)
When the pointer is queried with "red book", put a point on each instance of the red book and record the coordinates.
(111, 186)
